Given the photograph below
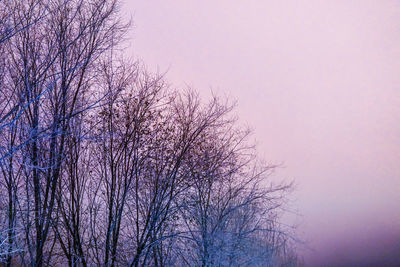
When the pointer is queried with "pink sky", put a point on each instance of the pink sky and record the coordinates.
(318, 81)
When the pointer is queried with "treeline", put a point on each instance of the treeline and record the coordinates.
(103, 164)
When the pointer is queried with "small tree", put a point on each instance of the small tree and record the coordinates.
(228, 205)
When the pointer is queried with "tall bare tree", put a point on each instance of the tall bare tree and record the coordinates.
(51, 65)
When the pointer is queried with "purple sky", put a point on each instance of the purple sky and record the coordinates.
(319, 82)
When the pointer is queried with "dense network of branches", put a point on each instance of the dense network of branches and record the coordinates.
(103, 164)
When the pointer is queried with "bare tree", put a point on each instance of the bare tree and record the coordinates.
(228, 204)
(51, 65)
(103, 164)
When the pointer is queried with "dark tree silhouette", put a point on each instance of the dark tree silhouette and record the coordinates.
(102, 163)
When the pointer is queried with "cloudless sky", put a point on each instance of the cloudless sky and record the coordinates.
(319, 82)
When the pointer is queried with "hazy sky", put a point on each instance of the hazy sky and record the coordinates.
(319, 82)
